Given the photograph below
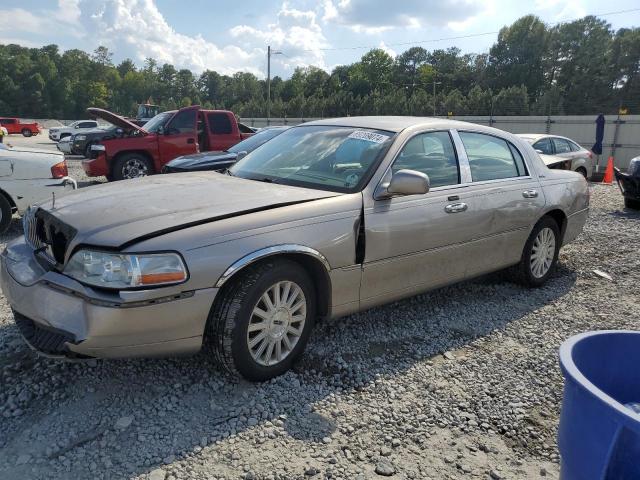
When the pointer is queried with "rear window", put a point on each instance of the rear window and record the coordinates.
(219, 123)
(544, 146)
(491, 158)
(562, 146)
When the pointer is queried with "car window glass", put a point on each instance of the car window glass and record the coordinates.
(7, 121)
(431, 153)
(517, 156)
(219, 123)
(490, 158)
(88, 125)
(183, 122)
(544, 146)
(574, 146)
(562, 146)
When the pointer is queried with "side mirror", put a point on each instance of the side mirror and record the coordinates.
(160, 130)
(405, 182)
(119, 131)
(241, 155)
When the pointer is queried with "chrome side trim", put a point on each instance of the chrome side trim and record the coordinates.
(267, 252)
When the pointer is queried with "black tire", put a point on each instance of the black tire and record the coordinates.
(87, 150)
(582, 171)
(632, 204)
(26, 132)
(227, 334)
(523, 273)
(6, 213)
(126, 166)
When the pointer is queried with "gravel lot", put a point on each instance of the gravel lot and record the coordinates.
(462, 382)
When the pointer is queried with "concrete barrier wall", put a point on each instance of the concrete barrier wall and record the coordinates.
(623, 145)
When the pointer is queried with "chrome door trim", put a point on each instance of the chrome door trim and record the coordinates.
(267, 252)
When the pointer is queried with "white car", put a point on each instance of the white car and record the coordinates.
(64, 145)
(573, 156)
(29, 176)
(56, 134)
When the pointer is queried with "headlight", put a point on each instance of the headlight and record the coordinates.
(121, 270)
(80, 137)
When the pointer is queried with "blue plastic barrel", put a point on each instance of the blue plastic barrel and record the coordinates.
(599, 433)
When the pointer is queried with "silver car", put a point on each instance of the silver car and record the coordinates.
(578, 158)
(327, 219)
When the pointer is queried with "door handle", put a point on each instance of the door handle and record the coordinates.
(191, 140)
(530, 193)
(455, 207)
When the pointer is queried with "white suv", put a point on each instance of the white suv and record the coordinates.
(56, 134)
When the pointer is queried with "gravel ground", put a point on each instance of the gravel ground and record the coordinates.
(462, 382)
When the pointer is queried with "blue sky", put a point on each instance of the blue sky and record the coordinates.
(229, 36)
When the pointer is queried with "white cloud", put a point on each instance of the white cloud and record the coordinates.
(389, 50)
(16, 22)
(562, 10)
(375, 16)
(296, 33)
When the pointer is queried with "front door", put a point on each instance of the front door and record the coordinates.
(417, 242)
(179, 136)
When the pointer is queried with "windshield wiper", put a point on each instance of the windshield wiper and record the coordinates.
(228, 172)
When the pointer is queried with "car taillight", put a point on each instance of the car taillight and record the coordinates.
(590, 153)
(59, 170)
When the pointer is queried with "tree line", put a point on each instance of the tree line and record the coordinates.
(579, 67)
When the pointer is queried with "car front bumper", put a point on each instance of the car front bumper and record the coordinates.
(96, 167)
(61, 317)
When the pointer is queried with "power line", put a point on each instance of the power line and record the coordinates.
(460, 37)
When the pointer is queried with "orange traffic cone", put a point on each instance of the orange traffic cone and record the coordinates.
(608, 173)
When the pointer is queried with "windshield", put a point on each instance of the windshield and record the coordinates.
(331, 158)
(255, 140)
(158, 121)
(147, 111)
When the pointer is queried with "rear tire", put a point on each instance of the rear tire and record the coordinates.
(26, 132)
(253, 339)
(540, 254)
(582, 171)
(132, 165)
(6, 214)
(632, 204)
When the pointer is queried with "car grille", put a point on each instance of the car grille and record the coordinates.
(45, 232)
(46, 340)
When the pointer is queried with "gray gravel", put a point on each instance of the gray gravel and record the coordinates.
(459, 383)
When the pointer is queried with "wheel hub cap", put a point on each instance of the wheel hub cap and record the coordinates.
(543, 252)
(134, 168)
(276, 323)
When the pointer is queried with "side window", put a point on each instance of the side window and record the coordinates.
(491, 158)
(7, 121)
(574, 146)
(183, 122)
(431, 153)
(88, 125)
(544, 146)
(562, 146)
(219, 123)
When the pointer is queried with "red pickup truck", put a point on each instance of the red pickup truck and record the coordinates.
(139, 151)
(13, 125)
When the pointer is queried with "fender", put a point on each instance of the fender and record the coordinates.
(267, 252)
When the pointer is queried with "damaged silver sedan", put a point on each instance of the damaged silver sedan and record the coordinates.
(327, 219)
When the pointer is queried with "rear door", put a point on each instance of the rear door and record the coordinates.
(223, 131)
(504, 198)
(179, 136)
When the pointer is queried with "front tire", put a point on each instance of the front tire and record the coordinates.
(132, 165)
(26, 132)
(540, 254)
(632, 204)
(261, 322)
(6, 214)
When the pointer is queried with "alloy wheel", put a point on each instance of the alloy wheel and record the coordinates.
(277, 322)
(134, 168)
(543, 252)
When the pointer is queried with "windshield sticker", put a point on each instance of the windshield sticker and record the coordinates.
(369, 136)
(351, 180)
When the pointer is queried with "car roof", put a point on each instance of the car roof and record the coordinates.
(390, 123)
(538, 136)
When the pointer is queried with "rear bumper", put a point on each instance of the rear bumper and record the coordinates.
(575, 225)
(60, 317)
(96, 167)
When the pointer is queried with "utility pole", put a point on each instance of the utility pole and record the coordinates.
(434, 96)
(269, 53)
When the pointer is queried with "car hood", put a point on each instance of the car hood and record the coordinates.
(201, 159)
(120, 214)
(114, 119)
